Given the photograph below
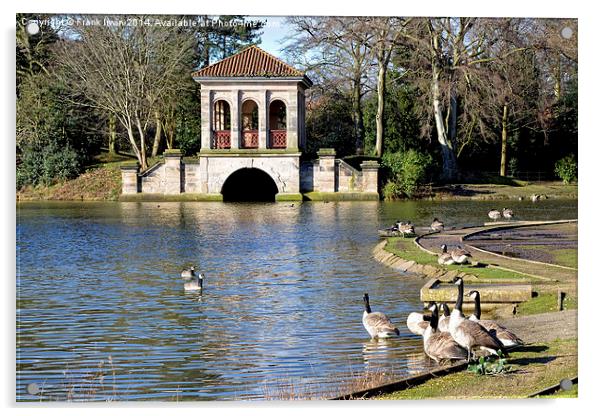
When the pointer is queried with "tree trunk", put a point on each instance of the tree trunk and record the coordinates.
(132, 139)
(112, 134)
(157, 141)
(447, 150)
(358, 116)
(504, 140)
(141, 132)
(380, 110)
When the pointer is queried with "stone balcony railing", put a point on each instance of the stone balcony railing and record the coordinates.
(278, 139)
(250, 139)
(221, 139)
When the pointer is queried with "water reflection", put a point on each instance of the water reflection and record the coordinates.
(102, 312)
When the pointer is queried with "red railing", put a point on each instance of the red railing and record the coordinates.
(278, 139)
(221, 139)
(250, 139)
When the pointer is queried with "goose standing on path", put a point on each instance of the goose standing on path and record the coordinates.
(444, 320)
(507, 213)
(440, 345)
(417, 323)
(195, 284)
(188, 273)
(460, 255)
(508, 338)
(494, 214)
(437, 225)
(377, 324)
(445, 257)
(470, 334)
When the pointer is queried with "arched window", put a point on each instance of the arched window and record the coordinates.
(277, 119)
(250, 124)
(221, 125)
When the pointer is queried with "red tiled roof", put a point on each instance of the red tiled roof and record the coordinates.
(250, 62)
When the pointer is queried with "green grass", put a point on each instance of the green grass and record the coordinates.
(340, 196)
(535, 368)
(289, 197)
(562, 394)
(407, 250)
(545, 302)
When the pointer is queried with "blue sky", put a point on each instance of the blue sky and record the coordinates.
(273, 34)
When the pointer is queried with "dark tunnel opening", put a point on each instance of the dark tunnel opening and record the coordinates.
(249, 184)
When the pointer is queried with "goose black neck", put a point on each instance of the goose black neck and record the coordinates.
(367, 304)
(435, 319)
(460, 296)
(477, 305)
(445, 310)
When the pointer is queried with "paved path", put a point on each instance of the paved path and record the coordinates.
(433, 242)
(544, 327)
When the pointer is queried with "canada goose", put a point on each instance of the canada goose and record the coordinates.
(195, 284)
(507, 213)
(444, 320)
(437, 225)
(417, 323)
(495, 214)
(470, 334)
(445, 257)
(405, 228)
(535, 197)
(188, 273)
(440, 345)
(508, 338)
(460, 255)
(377, 324)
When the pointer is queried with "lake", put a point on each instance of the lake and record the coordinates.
(102, 314)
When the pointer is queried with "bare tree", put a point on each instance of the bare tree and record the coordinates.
(126, 71)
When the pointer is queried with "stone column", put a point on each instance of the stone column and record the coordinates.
(370, 175)
(292, 122)
(325, 179)
(129, 178)
(235, 121)
(205, 118)
(263, 110)
(173, 171)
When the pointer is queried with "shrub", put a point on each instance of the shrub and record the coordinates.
(566, 169)
(391, 191)
(406, 171)
(46, 165)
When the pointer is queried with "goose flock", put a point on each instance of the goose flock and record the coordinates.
(455, 337)
(496, 214)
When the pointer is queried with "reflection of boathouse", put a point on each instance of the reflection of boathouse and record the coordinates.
(252, 139)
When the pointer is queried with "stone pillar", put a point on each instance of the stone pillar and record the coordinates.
(173, 171)
(370, 176)
(292, 122)
(235, 120)
(263, 112)
(325, 180)
(205, 118)
(129, 178)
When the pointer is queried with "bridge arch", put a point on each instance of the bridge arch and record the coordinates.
(249, 184)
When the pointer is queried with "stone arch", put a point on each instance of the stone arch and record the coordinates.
(250, 184)
(249, 121)
(277, 123)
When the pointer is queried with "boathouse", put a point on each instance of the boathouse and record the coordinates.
(252, 140)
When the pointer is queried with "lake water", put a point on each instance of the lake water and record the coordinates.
(102, 314)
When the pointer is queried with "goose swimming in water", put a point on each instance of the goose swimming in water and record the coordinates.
(507, 213)
(444, 320)
(494, 214)
(440, 345)
(195, 284)
(470, 334)
(445, 257)
(188, 273)
(417, 323)
(508, 338)
(377, 324)
(437, 225)
(460, 255)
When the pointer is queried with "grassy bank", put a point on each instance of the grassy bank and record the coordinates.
(534, 368)
(101, 181)
(513, 189)
(407, 249)
(545, 302)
